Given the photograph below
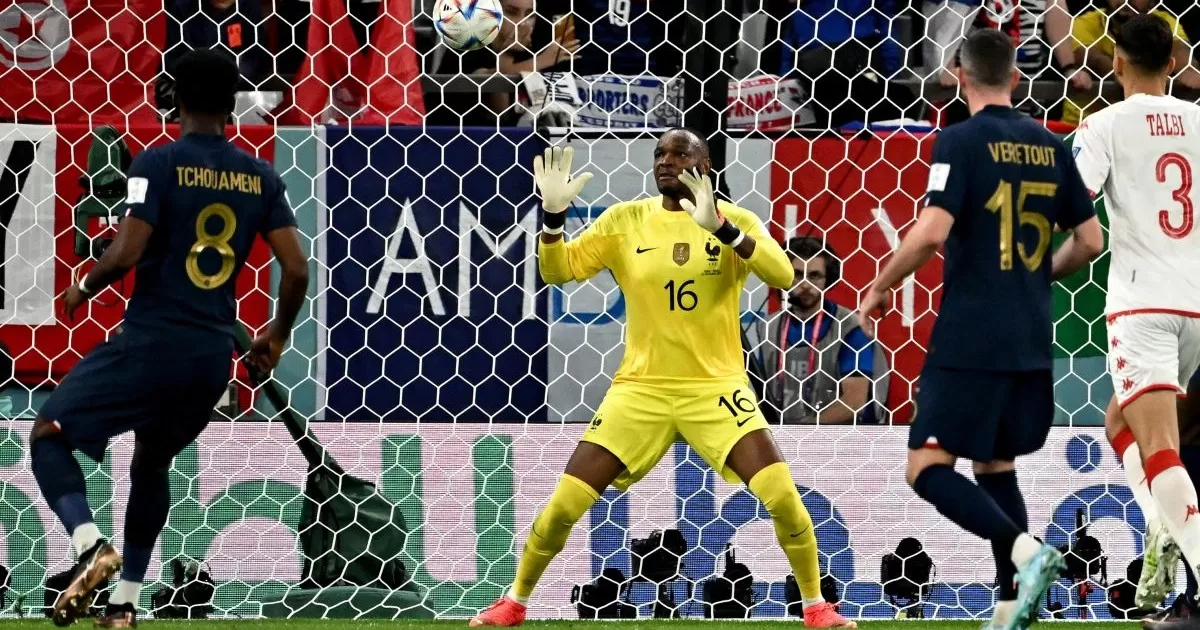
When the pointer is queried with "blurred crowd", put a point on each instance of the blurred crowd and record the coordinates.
(824, 53)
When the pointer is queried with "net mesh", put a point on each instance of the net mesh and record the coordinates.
(433, 362)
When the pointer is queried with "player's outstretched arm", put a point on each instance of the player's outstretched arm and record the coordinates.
(293, 286)
(762, 254)
(560, 262)
(122, 254)
(921, 243)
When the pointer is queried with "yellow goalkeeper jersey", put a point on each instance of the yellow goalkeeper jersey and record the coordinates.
(682, 287)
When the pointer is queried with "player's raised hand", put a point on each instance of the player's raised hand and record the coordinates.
(704, 209)
(870, 308)
(552, 174)
(264, 351)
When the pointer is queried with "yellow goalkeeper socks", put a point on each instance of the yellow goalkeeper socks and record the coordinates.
(570, 501)
(773, 486)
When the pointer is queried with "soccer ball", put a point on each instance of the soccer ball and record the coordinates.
(469, 24)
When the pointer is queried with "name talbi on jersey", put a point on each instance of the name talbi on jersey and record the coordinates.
(1164, 124)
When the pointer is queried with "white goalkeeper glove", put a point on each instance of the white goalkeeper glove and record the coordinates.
(704, 210)
(552, 174)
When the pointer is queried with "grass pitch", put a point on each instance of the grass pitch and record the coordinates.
(647, 624)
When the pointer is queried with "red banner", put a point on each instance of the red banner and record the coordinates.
(861, 195)
(43, 354)
(68, 60)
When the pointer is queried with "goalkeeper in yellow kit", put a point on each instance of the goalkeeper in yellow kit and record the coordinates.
(681, 263)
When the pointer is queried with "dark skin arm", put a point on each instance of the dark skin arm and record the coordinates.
(124, 252)
(293, 286)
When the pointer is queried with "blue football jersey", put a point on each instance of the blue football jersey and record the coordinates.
(1007, 181)
(207, 201)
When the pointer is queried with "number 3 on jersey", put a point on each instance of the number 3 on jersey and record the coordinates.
(219, 242)
(1183, 195)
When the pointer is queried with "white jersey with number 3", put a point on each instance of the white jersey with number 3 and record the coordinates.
(1143, 153)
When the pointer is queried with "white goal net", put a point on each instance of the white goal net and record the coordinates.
(433, 362)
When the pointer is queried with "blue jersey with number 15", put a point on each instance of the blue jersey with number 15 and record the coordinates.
(1007, 181)
(207, 201)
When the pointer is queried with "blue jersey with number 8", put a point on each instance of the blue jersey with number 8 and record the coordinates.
(206, 200)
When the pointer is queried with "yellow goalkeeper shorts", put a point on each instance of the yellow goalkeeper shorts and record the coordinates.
(638, 423)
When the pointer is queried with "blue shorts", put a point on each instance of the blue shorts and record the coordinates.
(983, 416)
(129, 384)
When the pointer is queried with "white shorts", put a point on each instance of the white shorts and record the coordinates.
(1152, 351)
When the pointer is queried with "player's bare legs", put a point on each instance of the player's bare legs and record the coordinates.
(591, 469)
(976, 509)
(62, 483)
(1121, 437)
(757, 460)
(1152, 418)
(999, 480)
(1161, 552)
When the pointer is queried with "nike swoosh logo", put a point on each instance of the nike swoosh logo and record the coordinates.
(643, 251)
(744, 421)
(798, 533)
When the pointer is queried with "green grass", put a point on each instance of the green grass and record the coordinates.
(647, 624)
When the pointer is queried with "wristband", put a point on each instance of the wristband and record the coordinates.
(728, 233)
(554, 221)
(552, 231)
(738, 241)
(83, 288)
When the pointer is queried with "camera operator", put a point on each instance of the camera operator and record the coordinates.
(819, 363)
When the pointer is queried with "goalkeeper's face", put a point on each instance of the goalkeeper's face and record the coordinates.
(678, 151)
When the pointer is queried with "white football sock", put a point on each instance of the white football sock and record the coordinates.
(512, 594)
(126, 592)
(84, 537)
(1003, 612)
(1176, 498)
(1136, 476)
(1025, 547)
